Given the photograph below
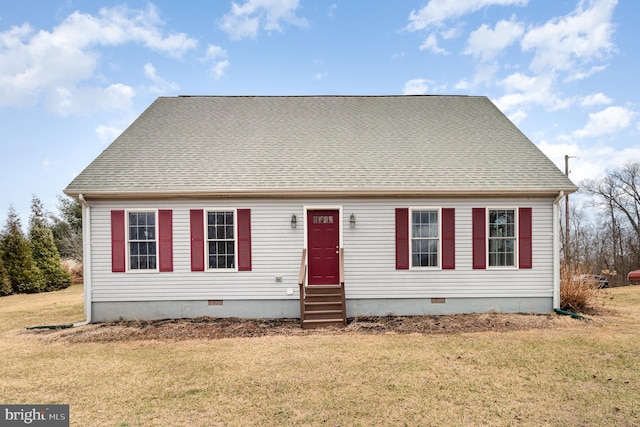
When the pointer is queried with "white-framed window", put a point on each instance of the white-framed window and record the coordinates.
(221, 239)
(425, 237)
(142, 241)
(502, 237)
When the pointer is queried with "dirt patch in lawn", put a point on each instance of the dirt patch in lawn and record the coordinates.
(217, 328)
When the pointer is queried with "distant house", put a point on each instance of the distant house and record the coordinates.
(233, 206)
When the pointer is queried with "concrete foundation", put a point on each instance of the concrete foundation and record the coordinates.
(276, 309)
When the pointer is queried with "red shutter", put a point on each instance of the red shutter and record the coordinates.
(524, 238)
(197, 239)
(165, 239)
(118, 243)
(402, 238)
(448, 239)
(244, 239)
(479, 227)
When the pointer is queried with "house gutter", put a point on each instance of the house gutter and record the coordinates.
(556, 252)
(86, 258)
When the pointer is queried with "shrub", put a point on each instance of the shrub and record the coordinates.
(45, 253)
(576, 293)
(74, 268)
(24, 275)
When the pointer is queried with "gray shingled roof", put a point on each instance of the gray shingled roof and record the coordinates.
(320, 145)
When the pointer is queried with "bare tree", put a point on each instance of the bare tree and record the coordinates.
(67, 228)
(617, 197)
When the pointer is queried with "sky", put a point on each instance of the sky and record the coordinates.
(74, 74)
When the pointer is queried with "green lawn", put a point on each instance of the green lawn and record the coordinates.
(582, 373)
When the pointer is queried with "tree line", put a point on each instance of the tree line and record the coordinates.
(31, 262)
(604, 228)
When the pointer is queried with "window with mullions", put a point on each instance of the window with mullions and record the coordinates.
(425, 238)
(142, 241)
(502, 237)
(221, 241)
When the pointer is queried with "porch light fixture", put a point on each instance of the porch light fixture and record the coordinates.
(352, 221)
(294, 221)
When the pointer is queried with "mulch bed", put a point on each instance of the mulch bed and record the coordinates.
(217, 328)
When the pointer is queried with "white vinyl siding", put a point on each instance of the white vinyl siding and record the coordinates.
(276, 251)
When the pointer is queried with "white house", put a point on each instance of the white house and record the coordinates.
(233, 206)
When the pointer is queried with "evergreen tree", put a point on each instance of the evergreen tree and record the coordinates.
(15, 251)
(5, 284)
(43, 248)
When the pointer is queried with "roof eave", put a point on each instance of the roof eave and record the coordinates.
(316, 193)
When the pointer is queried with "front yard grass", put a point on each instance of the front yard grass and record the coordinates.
(580, 373)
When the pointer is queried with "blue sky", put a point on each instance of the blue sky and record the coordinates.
(74, 74)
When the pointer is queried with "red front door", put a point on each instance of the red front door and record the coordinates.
(323, 242)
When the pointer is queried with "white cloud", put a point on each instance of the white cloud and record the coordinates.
(119, 25)
(588, 162)
(556, 152)
(485, 74)
(215, 52)
(108, 133)
(462, 85)
(150, 71)
(561, 50)
(218, 56)
(562, 103)
(160, 86)
(621, 157)
(219, 69)
(607, 121)
(521, 90)
(66, 100)
(245, 20)
(486, 44)
(570, 42)
(431, 43)
(581, 75)
(519, 82)
(517, 116)
(52, 63)
(416, 87)
(438, 11)
(595, 99)
(48, 163)
(332, 10)
(451, 33)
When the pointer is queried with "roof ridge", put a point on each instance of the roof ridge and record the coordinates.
(329, 96)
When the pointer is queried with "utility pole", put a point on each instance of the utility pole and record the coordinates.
(566, 213)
